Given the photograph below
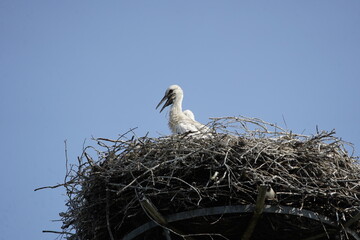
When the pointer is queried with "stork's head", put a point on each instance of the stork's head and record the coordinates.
(173, 93)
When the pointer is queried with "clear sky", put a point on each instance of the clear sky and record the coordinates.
(70, 70)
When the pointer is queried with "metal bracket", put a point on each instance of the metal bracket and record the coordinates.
(238, 209)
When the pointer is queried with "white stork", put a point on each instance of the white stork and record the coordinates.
(180, 122)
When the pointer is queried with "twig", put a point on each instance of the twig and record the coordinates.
(108, 216)
(55, 186)
(57, 232)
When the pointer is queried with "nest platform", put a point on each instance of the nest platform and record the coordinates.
(218, 187)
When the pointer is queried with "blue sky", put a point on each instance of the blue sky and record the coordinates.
(70, 70)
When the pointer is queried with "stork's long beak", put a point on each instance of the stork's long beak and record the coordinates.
(169, 101)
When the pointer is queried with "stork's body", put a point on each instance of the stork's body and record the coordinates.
(180, 122)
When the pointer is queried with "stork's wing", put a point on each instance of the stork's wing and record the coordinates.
(184, 127)
(201, 127)
(189, 125)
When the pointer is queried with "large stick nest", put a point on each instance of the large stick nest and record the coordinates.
(180, 173)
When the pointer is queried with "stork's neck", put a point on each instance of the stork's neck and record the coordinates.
(176, 108)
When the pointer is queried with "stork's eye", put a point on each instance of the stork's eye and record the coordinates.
(171, 91)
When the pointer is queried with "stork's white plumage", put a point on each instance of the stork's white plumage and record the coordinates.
(179, 122)
(189, 113)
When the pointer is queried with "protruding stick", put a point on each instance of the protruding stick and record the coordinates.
(260, 201)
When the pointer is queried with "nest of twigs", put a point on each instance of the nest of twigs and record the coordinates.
(181, 173)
